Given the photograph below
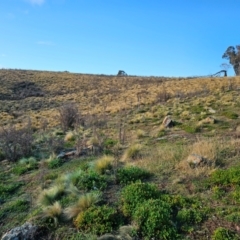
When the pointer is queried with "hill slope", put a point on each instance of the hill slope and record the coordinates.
(193, 163)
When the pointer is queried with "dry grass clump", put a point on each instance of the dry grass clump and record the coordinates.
(73, 177)
(140, 133)
(48, 196)
(209, 150)
(104, 163)
(54, 212)
(84, 202)
(163, 158)
(70, 136)
(133, 152)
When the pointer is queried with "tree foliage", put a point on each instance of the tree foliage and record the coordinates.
(233, 55)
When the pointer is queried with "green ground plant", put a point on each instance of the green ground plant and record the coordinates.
(134, 193)
(91, 180)
(131, 174)
(224, 234)
(98, 220)
(154, 220)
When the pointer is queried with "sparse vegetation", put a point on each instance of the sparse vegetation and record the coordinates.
(129, 168)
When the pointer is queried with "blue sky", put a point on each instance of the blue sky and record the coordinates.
(141, 37)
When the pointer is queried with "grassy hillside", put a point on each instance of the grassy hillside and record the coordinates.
(177, 182)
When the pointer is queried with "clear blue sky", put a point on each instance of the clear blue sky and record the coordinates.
(141, 37)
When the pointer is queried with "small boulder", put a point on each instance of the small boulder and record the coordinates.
(167, 122)
(211, 110)
(208, 120)
(195, 160)
(26, 232)
(108, 236)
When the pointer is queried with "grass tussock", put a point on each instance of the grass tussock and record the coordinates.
(104, 163)
(84, 202)
(70, 136)
(48, 196)
(140, 133)
(133, 152)
(54, 212)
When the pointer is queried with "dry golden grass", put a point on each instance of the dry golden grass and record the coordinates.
(210, 149)
(140, 133)
(104, 163)
(133, 152)
(163, 157)
(95, 94)
(70, 136)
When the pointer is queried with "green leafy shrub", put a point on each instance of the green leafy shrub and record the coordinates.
(91, 181)
(218, 192)
(153, 218)
(233, 217)
(135, 193)
(236, 194)
(19, 169)
(188, 217)
(55, 163)
(98, 220)
(225, 183)
(131, 174)
(227, 177)
(224, 234)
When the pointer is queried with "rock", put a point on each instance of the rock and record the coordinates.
(126, 232)
(167, 122)
(108, 236)
(211, 110)
(208, 120)
(24, 232)
(196, 160)
(67, 153)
